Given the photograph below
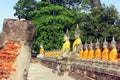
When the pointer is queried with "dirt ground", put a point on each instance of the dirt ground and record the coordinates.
(40, 72)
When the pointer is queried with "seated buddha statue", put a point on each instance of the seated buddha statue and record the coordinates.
(66, 45)
(76, 43)
(85, 52)
(113, 55)
(81, 52)
(77, 38)
(105, 51)
(97, 51)
(64, 53)
(90, 51)
(41, 52)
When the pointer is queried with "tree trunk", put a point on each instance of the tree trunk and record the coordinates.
(95, 3)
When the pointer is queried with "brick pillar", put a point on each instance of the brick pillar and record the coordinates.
(21, 31)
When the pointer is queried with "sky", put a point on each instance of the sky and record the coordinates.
(7, 11)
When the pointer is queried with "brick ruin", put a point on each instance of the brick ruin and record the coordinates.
(15, 49)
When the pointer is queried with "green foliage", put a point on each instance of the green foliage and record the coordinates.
(70, 4)
(23, 7)
(51, 23)
(100, 23)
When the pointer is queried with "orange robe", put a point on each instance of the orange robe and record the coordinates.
(42, 50)
(76, 42)
(65, 46)
(105, 54)
(91, 54)
(113, 56)
(98, 53)
(81, 54)
(85, 54)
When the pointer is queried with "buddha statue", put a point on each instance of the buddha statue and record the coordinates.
(77, 38)
(66, 45)
(74, 54)
(105, 51)
(41, 52)
(97, 50)
(76, 43)
(113, 55)
(81, 52)
(85, 52)
(90, 51)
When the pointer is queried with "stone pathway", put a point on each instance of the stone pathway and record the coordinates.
(40, 72)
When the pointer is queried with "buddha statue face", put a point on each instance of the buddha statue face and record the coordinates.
(77, 32)
(113, 43)
(90, 46)
(66, 36)
(77, 35)
(105, 44)
(85, 46)
(97, 44)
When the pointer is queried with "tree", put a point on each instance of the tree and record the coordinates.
(70, 4)
(95, 3)
(23, 7)
(100, 23)
(50, 28)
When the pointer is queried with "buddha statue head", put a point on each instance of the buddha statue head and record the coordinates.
(113, 43)
(77, 32)
(105, 44)
(66, 36)
(91, 45)
(85, 45)
(97, 44)
(41, 45)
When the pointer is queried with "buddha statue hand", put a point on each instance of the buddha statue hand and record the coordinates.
(65, 55)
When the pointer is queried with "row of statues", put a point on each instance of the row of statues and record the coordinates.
(86, 51)
(105, 54)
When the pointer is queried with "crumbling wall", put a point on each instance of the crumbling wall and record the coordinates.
(22, 32)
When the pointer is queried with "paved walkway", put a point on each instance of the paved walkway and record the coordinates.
(40, 72)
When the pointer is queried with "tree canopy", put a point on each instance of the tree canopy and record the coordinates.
(51, 23)
(23, 7)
